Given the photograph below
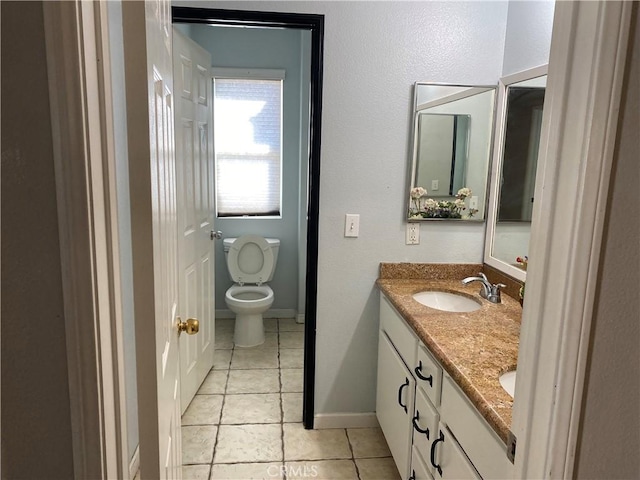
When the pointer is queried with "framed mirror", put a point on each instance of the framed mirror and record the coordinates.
(452, 140)
(517, 140)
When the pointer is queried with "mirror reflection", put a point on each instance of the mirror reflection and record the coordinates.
(453, 126)
(520, 143)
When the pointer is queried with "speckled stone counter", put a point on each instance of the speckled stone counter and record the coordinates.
(475, 348)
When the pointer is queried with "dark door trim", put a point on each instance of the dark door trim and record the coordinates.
(314, 23)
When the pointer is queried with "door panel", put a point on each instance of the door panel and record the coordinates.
(194, 164)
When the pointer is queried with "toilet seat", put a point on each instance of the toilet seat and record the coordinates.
(250, 247)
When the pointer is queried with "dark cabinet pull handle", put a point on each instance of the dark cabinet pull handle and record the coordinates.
(417, 427)
(433, 452)
(418, 371)
(402, 387)
(413, 475)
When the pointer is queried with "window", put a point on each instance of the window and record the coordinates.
(248, 142)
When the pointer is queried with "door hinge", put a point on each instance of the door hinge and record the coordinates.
(511, 447)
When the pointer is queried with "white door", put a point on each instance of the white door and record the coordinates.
(149, 84)
(194, 172)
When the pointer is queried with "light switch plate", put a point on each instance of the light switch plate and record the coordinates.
(351, 225)
(473, 202)
(435, 185)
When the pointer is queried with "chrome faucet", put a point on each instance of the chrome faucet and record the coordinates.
(488, 290)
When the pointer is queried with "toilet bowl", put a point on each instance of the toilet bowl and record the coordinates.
(251, 261)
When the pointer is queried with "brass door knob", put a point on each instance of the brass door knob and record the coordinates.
(191, 326)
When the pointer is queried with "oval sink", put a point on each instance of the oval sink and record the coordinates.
(448, 302)
(508, 382)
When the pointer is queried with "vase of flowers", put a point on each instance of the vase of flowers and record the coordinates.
(423, 207)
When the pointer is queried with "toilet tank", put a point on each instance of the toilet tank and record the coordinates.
(273, 242)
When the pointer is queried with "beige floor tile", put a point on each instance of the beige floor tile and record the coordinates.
(247, 358)
(214, 383)
(301, 444)
(291, 340)
(368, 443)
(203, 410)
(253, 381)
(246, 471)
(290, 325)
(292, 407)
(292, 379)
(292, 358)
(225, 324)
(196, 472)
(251, 408)
(221, 359)
(198, 443)
(270, 341)
(322, 470)
(249, 443)
(377, 469)
(224, 339)
(270, 324)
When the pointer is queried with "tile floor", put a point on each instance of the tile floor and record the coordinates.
(246, 420)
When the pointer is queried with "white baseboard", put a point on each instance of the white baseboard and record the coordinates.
(134, 464)
(300, 318)
(345, 420)
(274, 313)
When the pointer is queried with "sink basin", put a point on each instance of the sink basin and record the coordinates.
(448, 302)
(508, 382)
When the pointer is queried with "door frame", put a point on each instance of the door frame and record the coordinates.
(315, 24)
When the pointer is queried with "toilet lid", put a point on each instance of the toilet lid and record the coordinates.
(250, 260)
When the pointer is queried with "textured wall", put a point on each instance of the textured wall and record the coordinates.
(610, 433)
(529, 25)
(36, 421)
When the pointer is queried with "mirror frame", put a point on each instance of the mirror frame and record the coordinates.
(496, 169)
(414, 145)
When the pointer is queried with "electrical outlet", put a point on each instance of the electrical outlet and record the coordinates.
(435, 185)
(351, 225)
(413, 233)
(473, 202)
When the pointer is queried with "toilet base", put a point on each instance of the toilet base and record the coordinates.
(249, 330)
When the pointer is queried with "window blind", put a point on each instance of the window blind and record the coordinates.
(248, 146)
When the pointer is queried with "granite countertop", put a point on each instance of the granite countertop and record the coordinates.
(475, 348)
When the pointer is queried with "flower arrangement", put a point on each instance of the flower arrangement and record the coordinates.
(422, 207)
(522, 262)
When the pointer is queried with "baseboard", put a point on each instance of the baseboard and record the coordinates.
(300, 318)
(345, 420)
(275, 313)
(134, 464)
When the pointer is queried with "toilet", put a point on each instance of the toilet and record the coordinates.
(251, 261)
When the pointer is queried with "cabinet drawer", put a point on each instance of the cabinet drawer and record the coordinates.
(425, 425)
(419, 468)
(428, 375)
(481, 444)
(401, 336)
(450, 460)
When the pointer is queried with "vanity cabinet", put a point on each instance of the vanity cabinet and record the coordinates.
(433, 430)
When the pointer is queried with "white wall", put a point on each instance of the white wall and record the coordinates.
(36, 418)
(374, 53)
(609, 438)
(528, 40)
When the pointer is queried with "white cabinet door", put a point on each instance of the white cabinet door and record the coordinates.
(394, 403)
(448, 458)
